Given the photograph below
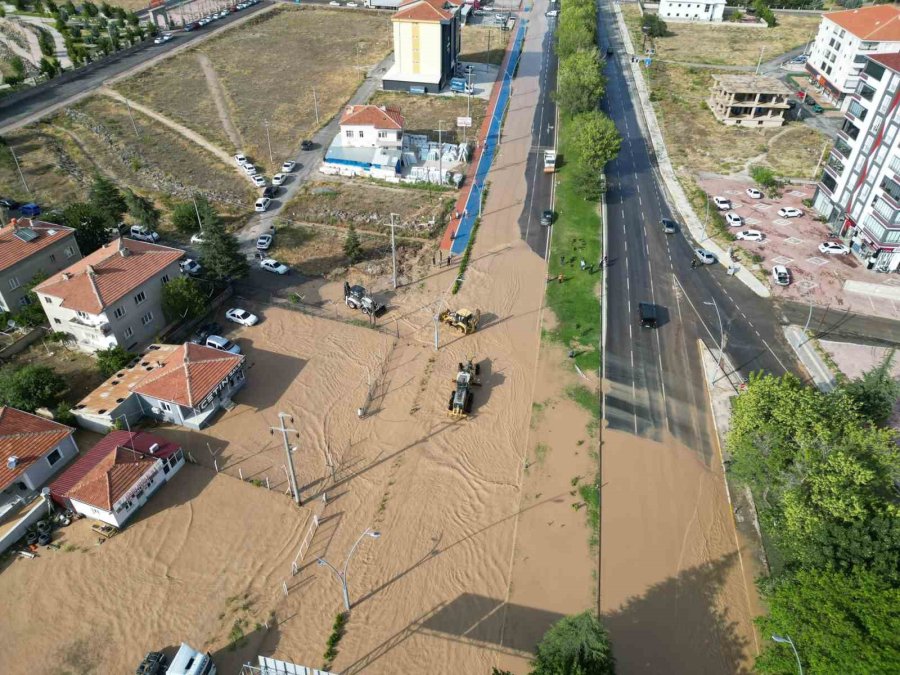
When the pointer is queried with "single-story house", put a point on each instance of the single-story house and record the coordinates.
(182, 384)
(116, 477)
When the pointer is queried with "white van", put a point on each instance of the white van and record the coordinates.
(188, 661)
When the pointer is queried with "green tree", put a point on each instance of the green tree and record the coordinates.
(90, 224)
(764, 177)
(581, 82)
(653, 26)
(143, 210)
(32, 314)
(577, 29)
(574, 645)
(107, 198)
(30, 387)
(45, 42)
(875, 391)
(595, 141)
(113, 359)
(352, 246)
(18, 66)
(185, 214)
(764, 13)
(221, 253)
(183, 299)
(89, 8)
(48, 67)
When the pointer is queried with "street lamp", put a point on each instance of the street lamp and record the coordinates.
(394, 250)
(721, 338)
(342, 574)
(786, 639)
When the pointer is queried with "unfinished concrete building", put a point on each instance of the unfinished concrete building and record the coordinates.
(749, 100)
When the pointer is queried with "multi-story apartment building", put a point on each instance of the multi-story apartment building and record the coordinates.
(29, 249)
(859, 193)
(426, 46)
(113, 296)
(844, 41)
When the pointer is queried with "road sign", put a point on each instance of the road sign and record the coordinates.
(463, 121)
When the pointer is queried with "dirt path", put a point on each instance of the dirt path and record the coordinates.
(33, 53)
(59, 45)
(218, 94)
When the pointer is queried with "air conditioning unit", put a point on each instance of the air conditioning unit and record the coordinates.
(154, 448)
(154, 410)
(12, 462)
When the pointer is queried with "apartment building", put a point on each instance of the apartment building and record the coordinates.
(113, 296)
(859, 193)
(749, 100)
(674, 10)
(844, 41)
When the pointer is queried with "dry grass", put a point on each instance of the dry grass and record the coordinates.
(268, 68)
(422, 113)
(726, 43)
(796, 152)
(483, 44)
(42, 158)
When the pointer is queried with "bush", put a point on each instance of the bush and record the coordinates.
(110, 361)
(655, 27)
(352, 247)
(764, 177)
(575, 645)
(30, 387)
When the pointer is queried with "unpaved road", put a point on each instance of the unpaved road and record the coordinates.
(218, 94)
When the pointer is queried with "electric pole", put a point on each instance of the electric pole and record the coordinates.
(440, 131)
(295, 492)
(22, 175)
(393, 250)
(197, 211)
(316, 104)
(269, 141)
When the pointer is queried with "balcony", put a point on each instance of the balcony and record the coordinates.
(96, 326)
(841, 147)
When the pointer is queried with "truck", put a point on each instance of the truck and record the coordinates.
(549, 161)
(383, 4)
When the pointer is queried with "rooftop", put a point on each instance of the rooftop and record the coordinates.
(23, 237)
(108, 274)
(755, 84)
(891, 61)
(26, 437)
(433, 11)
(875, 23)
(111, 477)
(378, 116)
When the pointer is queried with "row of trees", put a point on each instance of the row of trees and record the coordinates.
(825, 473)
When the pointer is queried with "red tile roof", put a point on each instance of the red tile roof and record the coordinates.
(188, 374)
(425, 10)
(879, 23)
(108, 274)
(26, 437)
(13, 249)
(379, 117)
(113, 475)
(139, 441)
(891, 61)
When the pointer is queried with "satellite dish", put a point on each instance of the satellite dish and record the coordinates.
(45, 492)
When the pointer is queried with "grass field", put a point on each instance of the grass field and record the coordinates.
(52, 171)
(422, 113)
(273, 84)
(483, 44)
(725, 43)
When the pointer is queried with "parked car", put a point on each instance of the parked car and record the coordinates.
(143, 233)
(733, 219)
(780, 275)
(241, 316)
(704, 256)
(197, 239)
(258, 180)
(306, 145)
(271, 265)
(751, 235)
(262, 204)
(833, 248)
(818, 109)
(270, 191)
(721, 203)
(264, 242)
(278, 179)
(669, 226)
(351, 4)
(9, 203)
(789, 212)
(30, 210)
(753, 193)
(553, 13)
(205, 331)
(288, 166)
(249, 169)
(190, 266)
(334, 3)
(547, 218)
(222, 344)
(241, 159)
(160, 39)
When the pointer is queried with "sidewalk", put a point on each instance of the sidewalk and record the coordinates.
(817, 368)
(677, 198)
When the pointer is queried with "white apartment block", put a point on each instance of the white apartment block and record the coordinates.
(675, 10)
(859, 193)
(844, 41)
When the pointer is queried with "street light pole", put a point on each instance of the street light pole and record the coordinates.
(295, 492)
(393, 250)
(19, 169)
(316, 104)
(342, 574)
(787, 640)
(721, 338)
(197, 211)
(269, 141)
(759, 63)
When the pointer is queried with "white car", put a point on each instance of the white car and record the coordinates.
(753, 193)
(733, 219)
(553, 12)
(241, 316)
(249, 169)
(222, 344)
(272, 265)
(721, 203)
(789, 212)
(334, 3)
(163, 38)
(241, 159)
(288, 166)
(751, 235)
(258, 180)
(190, 266)
(833, 248)
(264, 242)
(197, 239)
(278, 179)
(704, 256)
(262, 204)
(780, 275)
(142, 233)
(351, 4)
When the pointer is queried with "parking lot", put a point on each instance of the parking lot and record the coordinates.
(794, 243)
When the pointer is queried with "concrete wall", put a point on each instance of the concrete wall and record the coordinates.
(37, 511)
(53, 258)
(26, 340)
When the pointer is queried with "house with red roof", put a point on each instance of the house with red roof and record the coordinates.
(370, 142)
(30, 249)
(116, 477)
(185, 384)
(113, 296)
(426, 45)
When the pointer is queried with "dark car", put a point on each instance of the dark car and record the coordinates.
(669, 226)
(191, 26)
(270, 191)
(306, 145)
(205, 331)
(648, 315)
(9, 203)
(547, 217)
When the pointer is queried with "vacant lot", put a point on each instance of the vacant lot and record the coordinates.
(483, 44)
(725, 43)
(53, 170)
(265, 72)
(78, 369)
(423, 113)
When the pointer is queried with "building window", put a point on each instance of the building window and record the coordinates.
(828, 182)
(165, 279)
(48, 300)
(165, 406)
(867, 47)
(866, 92)
(850, 129)
(891, 188)
(55, 320)
(147, 318)
(119, 312)
(82, 315)
(857, 110)
(361, 133)
(874, 70)
(895, 164)
(382, 134)
(69, 252)
(54, 457)
(53, 257)
(128, 332)
(139, 298)
(348, 133)
(14, 283)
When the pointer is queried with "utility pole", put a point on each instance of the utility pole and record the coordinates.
(437, 323)
(133, 125)
(818, 164)
(269, 141)
(316, 104)
(393, 250)
(197, 211)
(487, 63)
(19, 169)
(759, 63)
(468, 105)
(440, 131)
(295, 492)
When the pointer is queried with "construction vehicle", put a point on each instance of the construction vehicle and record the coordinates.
(357, 297)
(549, 161)
(463, 320)
(460, 404)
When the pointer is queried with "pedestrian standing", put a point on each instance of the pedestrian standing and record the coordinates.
(583, 264)
(606, 261)
(449, 259)
(432, 259)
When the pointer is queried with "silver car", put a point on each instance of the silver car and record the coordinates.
(704, 256)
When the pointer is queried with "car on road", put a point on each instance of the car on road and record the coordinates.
(733, 219)
(704, 256)
(161, 39)
(553, 13)
(222, 344)
(722, 203)
(833, 248)
(278, 179)
(241, 316)
(818, 109)
(270, 191)
(751, 235)
(334, 3)
(9, 203)
(264, 242)
(193, 25)
(288, 166)
(789, 212)
(262, 204)
(197, 239)
(753, 193)
(258, 180)
(143, 233)
(306, 145)
(669, 226)
(190, 266)
(272, 265)
(547, 217)
(780, 275)
(351, 4)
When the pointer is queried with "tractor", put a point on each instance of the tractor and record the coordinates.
(357, 297)
(463, 320)
(460, 404)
